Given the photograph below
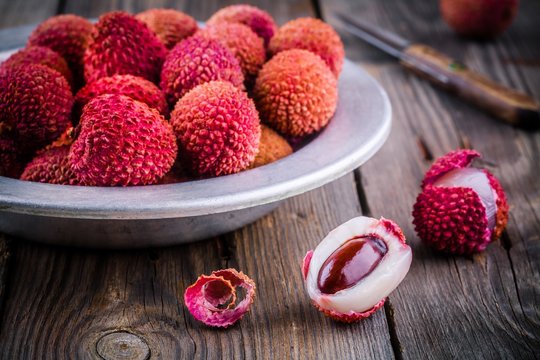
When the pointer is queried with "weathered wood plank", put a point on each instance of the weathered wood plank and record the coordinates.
(487, 306)
(68, 299)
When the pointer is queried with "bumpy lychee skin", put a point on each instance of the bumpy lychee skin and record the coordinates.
(461, 209)
(355, 267)
(218, 129)
(296, 93)
(195, 61)
(35, 103)
(313, 35)
(258, 20)
(245, 45)
(171, 26)
(272, 147)
(51, 166)
(479, 18)
(122, 142)
(135, 87)
(42, 56)
(11, 164)
(121, 44)
(68, 35)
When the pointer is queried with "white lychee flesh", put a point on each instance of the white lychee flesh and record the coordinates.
(477, 180)
(374, 287)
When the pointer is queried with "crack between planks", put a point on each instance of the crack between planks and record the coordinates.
(361, 193)
(317, 9)
(61, 7)
(7, 253)
(394, 339)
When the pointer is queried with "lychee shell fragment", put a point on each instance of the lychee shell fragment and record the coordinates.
(212, 298)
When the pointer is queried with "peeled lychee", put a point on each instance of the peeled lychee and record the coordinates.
(245, 45)
(68, 35)
(35, 104)
(296, 93)
(258, 20)
(42, 56)
(272, 147)
(355, 267)
(171, 26)
(218, 129)
(121, 142)
(479, 18)
(135, 87)
(461, 209)
(195, 61)
(121, 44)
(313, 35)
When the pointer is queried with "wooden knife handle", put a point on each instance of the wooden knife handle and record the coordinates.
(507, 104)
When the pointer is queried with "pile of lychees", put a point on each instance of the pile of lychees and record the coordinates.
(152, 98)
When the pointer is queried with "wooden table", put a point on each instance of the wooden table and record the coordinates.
(63, 303)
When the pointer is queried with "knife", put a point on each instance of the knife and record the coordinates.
(513, 107)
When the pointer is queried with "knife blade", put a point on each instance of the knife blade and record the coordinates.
(507, 104)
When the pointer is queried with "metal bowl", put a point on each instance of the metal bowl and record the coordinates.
(161, 215)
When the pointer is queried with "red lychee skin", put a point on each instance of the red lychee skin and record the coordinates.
(258, 20)
(68, 35)
(135, 87)
(171, 26)
(218, 129)
(349, 317)
(479, 18)
(456, 159)
(296, 93)
(195, 61)
(51, 166)
(10, 157)
(35, 103)
(245, 45)
(121, 44)
(453, 219)
(42, 56)
(122, 142)
(272, 147)
(313, 35)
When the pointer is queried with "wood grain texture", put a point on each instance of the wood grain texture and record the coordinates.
(69, 301)
(16, 13)
(450, 307)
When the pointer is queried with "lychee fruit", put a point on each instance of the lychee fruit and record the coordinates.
(218, 129)
(35, 104)
(42, 56)
(245, 45)
(296, 93)
(313, 35)
(272, 147)
(121, 142)
(51, 165)
(68, 35)
(195, 61)
(258, 20)
(121, 44)
(460, 209)
(135, 87)
(355, 267)
(171, 26)
(11, 164)
(479, 18)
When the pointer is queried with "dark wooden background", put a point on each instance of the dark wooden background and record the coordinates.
(60, 302)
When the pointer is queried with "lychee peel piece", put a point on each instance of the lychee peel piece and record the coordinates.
(502, 206)
(351, 316)
(456, 159)
(212, 298)
(451, 219)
